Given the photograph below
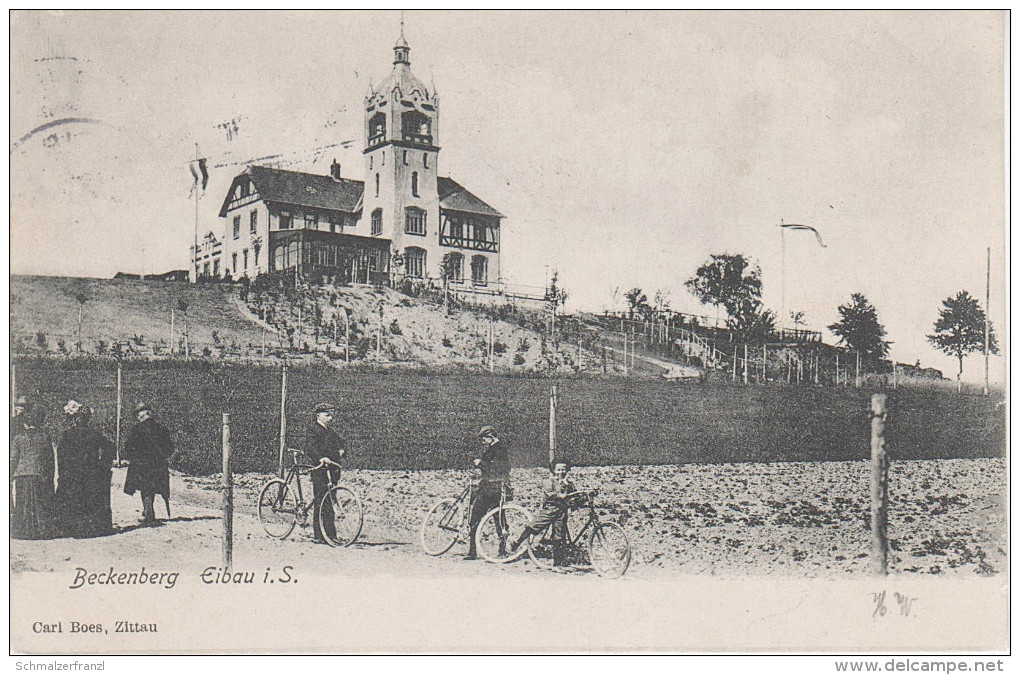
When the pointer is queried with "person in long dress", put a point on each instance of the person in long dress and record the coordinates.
(84, 458)
(32, 469)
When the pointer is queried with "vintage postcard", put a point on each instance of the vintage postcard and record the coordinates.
(508, 332)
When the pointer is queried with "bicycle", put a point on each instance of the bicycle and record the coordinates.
(608, 548)
(447, 522)
(506, 522)
(282, 504)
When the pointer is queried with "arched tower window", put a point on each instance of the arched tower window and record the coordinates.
(377, 222)
(377, 129)
(377, 185)
(414, 183)
(414, 220)
(416, 127)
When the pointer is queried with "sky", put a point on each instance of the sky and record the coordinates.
(623, 147)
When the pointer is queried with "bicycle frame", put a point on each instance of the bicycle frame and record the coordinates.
(465, 513)
(294, 473)
(591, 523)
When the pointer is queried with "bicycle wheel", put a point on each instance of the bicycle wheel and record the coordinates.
(341, 508)
(541, 550)
(498, 529)
(609, 550)
(278, 509)
(441, 527)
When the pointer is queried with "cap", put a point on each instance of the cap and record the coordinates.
(142, 406)
(325, 408)
(486, 430)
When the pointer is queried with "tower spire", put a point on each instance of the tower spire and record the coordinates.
(401, 50)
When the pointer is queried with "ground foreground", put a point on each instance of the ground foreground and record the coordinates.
(785, 519)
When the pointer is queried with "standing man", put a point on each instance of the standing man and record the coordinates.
(494, 476)
(148, 447)
(324, 444)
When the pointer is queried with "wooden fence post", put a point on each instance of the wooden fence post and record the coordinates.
(283, 417)
(552, 425)
(836, 383)
(228, 498)
(734, 363)
(120, 404)
(879, 487)
(347, 336)
(857, 377)
(745, 363)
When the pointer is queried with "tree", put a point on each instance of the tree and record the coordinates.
(637, 302)
(555, 295)
(82, 298)
(858, 329)
(749, 321)
(662, 301)
(447, 271)
(727, 280)
(960, 330)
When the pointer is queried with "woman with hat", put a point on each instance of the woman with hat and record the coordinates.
(32, 465)
(148, 447)
(83, 488)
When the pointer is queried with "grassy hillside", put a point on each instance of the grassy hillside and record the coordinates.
(120, 309)
(415, 419)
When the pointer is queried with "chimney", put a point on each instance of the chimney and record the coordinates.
(334, 170)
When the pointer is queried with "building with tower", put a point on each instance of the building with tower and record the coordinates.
(399, 223)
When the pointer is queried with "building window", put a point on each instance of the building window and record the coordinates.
(335, 220)
(377, 129)
(371, 161)
(253, 228)
(384, 158)
(245, 255)
(286, 220)
(257, 256)
(414, 220)
(456, 228)
(205, 270)
(244, 189)
(233, 260)
(425, 159)
(456, 267)
(377, 185)
(237, 227)
(414, 183)
(377, 222)
(311, 221)
(414, 262)
(479, 270)
(216, 267)
(405, 157)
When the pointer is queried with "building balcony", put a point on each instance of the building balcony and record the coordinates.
(471, 244)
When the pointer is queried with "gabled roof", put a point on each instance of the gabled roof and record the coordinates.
(300, 189)
(455, 197)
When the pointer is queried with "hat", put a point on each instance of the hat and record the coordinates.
(486, 430)
(72, 408)
(142, 406)
(325, 408)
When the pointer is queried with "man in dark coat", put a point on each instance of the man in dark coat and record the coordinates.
(324, 444)
(494, 476)
(148, 447)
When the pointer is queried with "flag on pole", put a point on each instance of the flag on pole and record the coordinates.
(198, 167)
(795, 226)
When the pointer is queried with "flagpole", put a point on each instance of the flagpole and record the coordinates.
(782, 278)
(196, 218)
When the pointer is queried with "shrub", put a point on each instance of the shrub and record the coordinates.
(518, 359)
(395, 328)
(138, 339)
(62, 346)
(41, 341)
(498, 347)
(446, 342)
(524, 345)
(101, 347)
(215, 337)
(206, 352)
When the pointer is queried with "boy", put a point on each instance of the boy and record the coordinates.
(554, 507)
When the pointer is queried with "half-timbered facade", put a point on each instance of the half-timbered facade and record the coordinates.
(399, 223)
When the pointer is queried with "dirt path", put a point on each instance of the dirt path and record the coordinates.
(787, 519)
